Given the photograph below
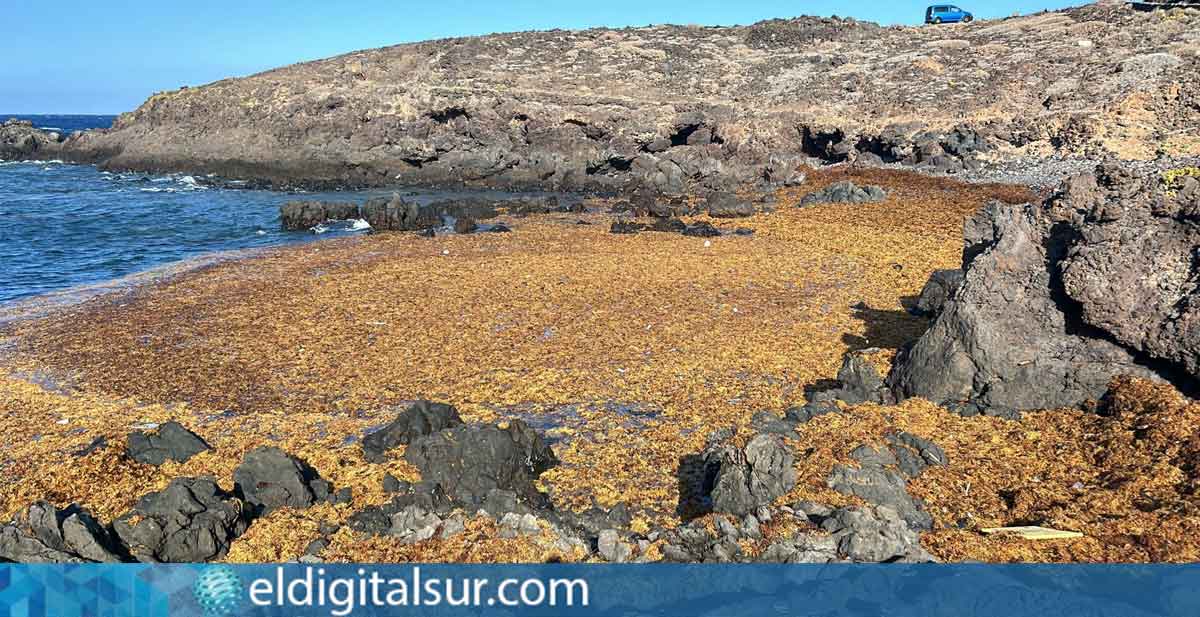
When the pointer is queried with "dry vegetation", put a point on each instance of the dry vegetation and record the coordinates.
(305, 347)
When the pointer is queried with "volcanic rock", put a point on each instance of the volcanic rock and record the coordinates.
(269, 478)
(937, 291)
(190, 521)
(859, 382)
(740, 480)
(395, 214)
(577, 110)
(467, 462)
(877, 481)
(19, 141)
(171, 442)
(418, 420)
(1058, 299)
(874, 535)
(702, 229)
(302, 215)
(45, 534)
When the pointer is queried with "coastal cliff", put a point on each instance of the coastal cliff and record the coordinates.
(680, 106)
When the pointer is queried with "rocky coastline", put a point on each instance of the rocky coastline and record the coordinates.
(804, 365)
(682, 109)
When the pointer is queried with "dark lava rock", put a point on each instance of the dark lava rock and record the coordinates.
(395, 214)
(190, 521)
(845, 192)
(45, 534)
(915, 454)
(499, 228)
(377, 520)
(301, 215)
(727, 205)
(1058, 299)
(877, 480)
(469, 461)
(626, 227)
(937, 291)
(269, 478)
(702, 229)
(740, 480)
(171, 442)
(859, 382)
(418, 420)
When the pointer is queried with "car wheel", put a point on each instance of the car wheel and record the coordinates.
(937, 20)
(968, 19)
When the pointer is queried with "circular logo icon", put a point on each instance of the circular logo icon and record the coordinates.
(218, 591)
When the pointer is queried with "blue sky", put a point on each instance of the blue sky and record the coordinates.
(89, 56)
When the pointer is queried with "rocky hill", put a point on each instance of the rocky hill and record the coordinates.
(674, 106)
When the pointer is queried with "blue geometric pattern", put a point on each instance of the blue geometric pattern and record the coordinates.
(89, 591)
(660, 590)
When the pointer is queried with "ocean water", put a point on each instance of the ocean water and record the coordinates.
(66, 226)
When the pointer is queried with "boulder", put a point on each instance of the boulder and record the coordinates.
(269, 478)
(418, 420)
(937, 291)
(170, 442)
(20, 140)
(467, 462)
(860, 382)
(395, 214)
(44, 534)
(190, 521)
(1059, 298)
(302, 215)
(740, 480)
(844, 192)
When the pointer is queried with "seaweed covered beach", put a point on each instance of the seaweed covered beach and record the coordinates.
(626, 351)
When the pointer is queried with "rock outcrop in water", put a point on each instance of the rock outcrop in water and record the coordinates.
(1057, 299)
(676, 107)
(19, 140)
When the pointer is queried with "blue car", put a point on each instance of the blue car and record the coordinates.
(947, 14)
